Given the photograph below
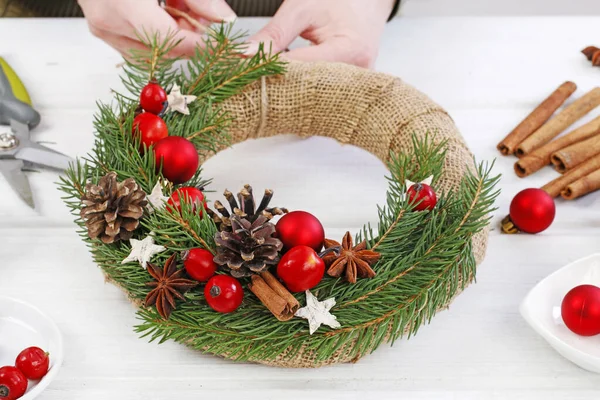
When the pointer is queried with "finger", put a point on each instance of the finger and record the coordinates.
(212, 10)
(333, 51)
(122, 44)
(155, 20)
(286, 25)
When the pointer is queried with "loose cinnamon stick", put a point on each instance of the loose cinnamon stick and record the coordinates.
(559, 123)
(274, 296)
(553, 188)
(575, 154)
(536, 118)
(582, 186)
(540, 157)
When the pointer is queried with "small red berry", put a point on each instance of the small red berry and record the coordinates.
(223, 293)
(199, 264)
(153, 98)
(191, 195)
(424, 195)
(13, 383)
(33, 363)
(151, 127)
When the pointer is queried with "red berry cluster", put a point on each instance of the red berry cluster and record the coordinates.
(32, 363)
(176, 155)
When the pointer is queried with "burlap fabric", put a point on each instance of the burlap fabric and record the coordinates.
(374, 111)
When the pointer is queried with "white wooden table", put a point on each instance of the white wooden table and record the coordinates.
(488, 72)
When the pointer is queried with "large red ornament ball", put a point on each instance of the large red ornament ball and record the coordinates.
(151, 127)
(199, 264)
(580, 310)
(188, 194)
(153, 98)
(300, 228)
(178, 158)
(422, 194)
(301, 268)
(223, 293)
(532, 210)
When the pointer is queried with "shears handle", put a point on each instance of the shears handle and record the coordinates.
(14, 98)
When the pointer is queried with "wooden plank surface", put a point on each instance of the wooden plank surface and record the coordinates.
(488, 72)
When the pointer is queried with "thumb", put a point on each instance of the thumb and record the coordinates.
(285, 26)
(212, 10)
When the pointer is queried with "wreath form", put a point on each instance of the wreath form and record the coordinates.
(396, 123)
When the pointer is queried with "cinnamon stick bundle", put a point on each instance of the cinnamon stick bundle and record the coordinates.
(553, 188)
(575, 154)
(536, 118)
(582, 186)
(274, 296)
(540, 157)
(559, 123)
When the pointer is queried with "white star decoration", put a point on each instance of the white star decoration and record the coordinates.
(179, 102)
(317, 313)
(426, 181)
(156, 199)
(143, 250)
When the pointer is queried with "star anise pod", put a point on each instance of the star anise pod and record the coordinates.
(353, 261)
(168, 285)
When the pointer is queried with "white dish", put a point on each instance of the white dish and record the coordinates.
(539, 306)
(23, 325)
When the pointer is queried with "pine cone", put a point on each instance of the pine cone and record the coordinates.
(111, 210)
(246, 209)
(249, 248)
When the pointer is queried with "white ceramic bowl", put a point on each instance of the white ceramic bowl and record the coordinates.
(23, 325)
(539, 310)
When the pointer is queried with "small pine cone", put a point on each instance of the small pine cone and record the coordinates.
(249, 248)
(246, 208)
(111, 210)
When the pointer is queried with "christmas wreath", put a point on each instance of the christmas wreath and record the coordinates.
(239, 277)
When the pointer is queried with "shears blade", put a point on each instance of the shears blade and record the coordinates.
(12, 172)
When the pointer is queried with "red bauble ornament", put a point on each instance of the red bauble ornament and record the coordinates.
(424, 195)
(223, 293)
(301, 268)
(580, 310)
(532, 210)
(300, 228)
(153, 98)
(33, 362)
(190, 195)
(151, 127)
(178, 158)
(199, 264)
(13, 384)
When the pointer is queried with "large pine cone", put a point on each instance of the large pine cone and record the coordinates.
(111, 210)
(249, 248)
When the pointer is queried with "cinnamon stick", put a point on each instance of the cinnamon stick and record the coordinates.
(575, 154)
(553, 188)
(582, 186)
(560, 122)
(274, 296)
(536, 118)
(540, 157)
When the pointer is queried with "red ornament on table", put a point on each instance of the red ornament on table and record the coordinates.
(33, 362)
(580, 310)
(199, 264)
(223, 293)
(531, 210)
(300, 228)
(190, 195)
(13, 384)
(178, 158)
(301, 268)
(422, 194)
(151, 127)
(153, 98)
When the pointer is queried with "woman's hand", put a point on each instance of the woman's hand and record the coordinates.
(341, 30)
(117, 21)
